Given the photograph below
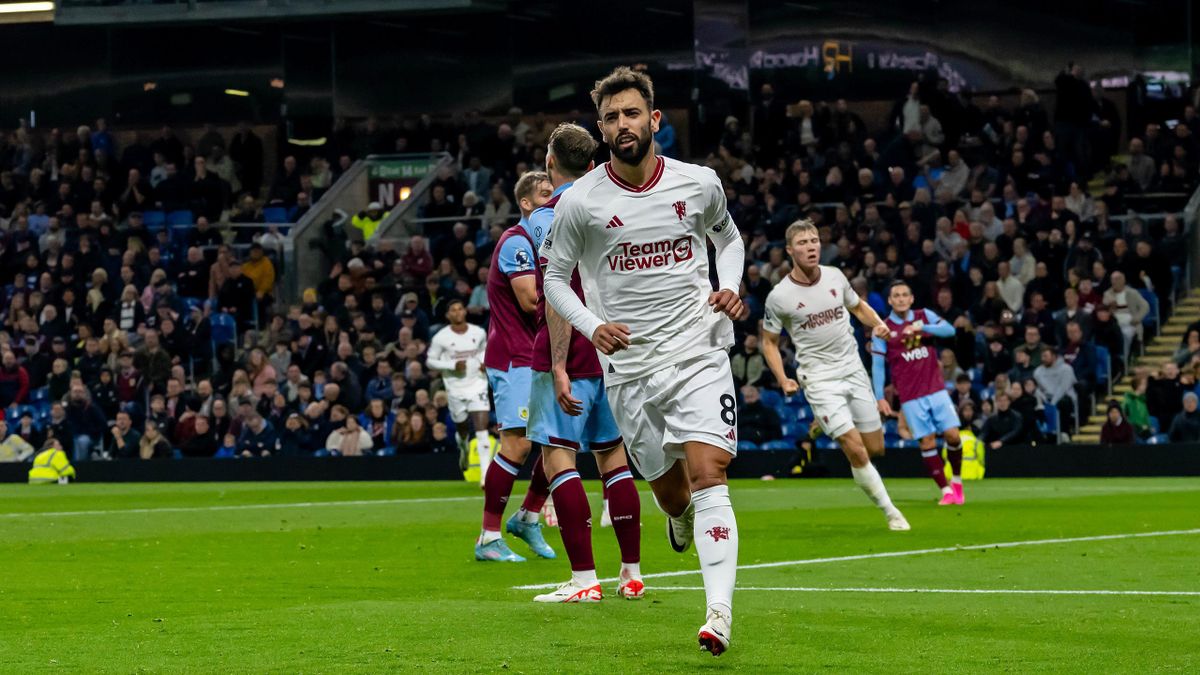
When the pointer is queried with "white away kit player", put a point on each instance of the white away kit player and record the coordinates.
(457, 350)
(638, 229)
(813, 303)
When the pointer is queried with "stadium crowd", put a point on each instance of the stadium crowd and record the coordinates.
(122, 339)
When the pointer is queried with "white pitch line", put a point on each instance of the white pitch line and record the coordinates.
(241, 507)
(899, 554)
(976, 591)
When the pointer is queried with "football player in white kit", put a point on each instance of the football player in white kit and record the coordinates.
(811, 304)
(457, 351)
(638, 228)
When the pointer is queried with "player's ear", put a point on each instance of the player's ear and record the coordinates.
(655, 120)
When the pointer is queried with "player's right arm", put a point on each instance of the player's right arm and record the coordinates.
(438, 357)
(879, 375)
(561, 251)
(516, 261)
(771, 328)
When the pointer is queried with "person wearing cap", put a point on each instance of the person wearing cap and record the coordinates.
(1185, 428)
(366, 222)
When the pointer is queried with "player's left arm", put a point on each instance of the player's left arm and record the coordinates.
(560, 350)
(937, 326)
(731, 252)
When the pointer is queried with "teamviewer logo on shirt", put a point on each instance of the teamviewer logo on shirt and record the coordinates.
(631, 256)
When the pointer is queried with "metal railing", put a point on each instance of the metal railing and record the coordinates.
(304, 264)
(398, 225)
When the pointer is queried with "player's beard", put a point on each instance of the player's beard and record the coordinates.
(634, 155)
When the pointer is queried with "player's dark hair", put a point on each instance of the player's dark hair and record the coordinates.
(620, 79)
(451, 303)
(899, 282)
(573, 148)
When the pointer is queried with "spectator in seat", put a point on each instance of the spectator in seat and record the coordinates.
(203, 441)
(152, 444)
(350, 440)
(757, 423)
(122, 440)
(1056, 385)
(1129, 308)
(1116, 430)
(1164, 393)
(417, 261)
(748, 363)
(1004, 427)
(1185, 428)
(415, 436)
(287, 184)
(14, 381)
(261, 272)
(13, 448)
(237, 296)
(1190, 350)
(257, 438)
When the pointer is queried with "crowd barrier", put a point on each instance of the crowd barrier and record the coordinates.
(1057, 461)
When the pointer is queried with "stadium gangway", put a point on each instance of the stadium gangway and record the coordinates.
(401, 213)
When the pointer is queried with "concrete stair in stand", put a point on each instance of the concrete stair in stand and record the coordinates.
(1160, 350)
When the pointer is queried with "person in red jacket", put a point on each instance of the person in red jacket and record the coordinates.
(14, 381)
(1117, 430)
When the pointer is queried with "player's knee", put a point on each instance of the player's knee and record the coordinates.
(855, 451)
(952, 437)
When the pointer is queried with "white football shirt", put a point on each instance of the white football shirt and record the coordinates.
(642, 253)
(447, 348)
(817, 319)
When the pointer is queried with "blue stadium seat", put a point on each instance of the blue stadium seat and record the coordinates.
(747, 446)
(1103, 365)
(154, 220)
(180, 218)
(794, 429)
(891, 427)
(1158, 439)
(1050, 415)
(276, 215)
(795, 400)
(908, 444)
(224, 329)
(1151, 316)
(782, 444)
(40, 394)
(1154, 428)
(770, 397)
(804, 414)
(826, 443)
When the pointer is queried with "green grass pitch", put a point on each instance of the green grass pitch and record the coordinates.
(379, 577)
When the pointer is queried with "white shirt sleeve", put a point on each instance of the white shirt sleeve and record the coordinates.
(724, 234)
(771, 320)
(437, 358)
(849, 298)
(562, 249)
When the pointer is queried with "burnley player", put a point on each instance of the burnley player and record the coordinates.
(917, 374)
(512, 297)
(569, 413)
(638, 230)
(814, 304)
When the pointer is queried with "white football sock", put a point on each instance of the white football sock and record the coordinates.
(483, 448)
(584, 577)
(631, 570)
(488, 536)
(869, 480)
(716, 538)
(527, 516)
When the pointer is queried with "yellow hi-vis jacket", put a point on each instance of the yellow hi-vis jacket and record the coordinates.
(973, 449)
(473, 474)
(50, 466)
(367, 224)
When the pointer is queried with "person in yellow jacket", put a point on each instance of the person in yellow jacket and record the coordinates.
(260, 270)
(51, 465)
(368, 221)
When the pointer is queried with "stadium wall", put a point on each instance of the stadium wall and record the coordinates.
(1059, 461)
